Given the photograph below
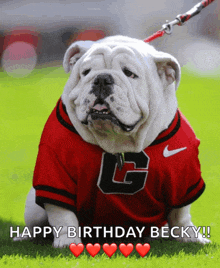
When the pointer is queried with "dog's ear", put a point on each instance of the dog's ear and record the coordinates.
(168, 68)
(74, 52)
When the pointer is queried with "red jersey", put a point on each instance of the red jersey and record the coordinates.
(81, 177)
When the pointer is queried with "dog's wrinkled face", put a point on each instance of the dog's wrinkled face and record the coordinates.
(107, 102)
(111, 91)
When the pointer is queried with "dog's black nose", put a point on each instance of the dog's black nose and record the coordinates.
(104, 80)
(102, 86)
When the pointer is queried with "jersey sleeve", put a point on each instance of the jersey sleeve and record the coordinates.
(52, 181)
(185, 183)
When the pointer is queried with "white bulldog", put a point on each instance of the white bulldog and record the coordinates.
(120, 98)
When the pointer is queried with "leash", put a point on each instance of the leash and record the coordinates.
(179, 20)
(168, 29)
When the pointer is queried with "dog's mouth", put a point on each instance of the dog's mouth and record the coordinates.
(101, 111)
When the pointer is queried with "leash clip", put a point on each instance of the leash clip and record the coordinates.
(168, 27)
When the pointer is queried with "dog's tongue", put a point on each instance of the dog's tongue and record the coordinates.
(100, 107)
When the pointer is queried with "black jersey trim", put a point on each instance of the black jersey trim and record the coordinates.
(42, 200)
(62, 121)
(157, 141)
(171, 134)
(56, 191)
(191, 200)
(64, 108)
(191, 188)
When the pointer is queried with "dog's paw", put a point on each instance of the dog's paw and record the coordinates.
(64, 241)
(20, 238)
(203, 240)
(199, 239)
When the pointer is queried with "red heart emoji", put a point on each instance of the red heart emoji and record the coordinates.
(76, 249)
(109, 249)
(93, 249)
(142, 249)
(126, 250)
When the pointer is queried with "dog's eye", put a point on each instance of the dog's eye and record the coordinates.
(128, 73)
(86, 72)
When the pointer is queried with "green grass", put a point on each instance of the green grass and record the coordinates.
(25, 105)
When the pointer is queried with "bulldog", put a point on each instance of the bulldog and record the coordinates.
(116, 150)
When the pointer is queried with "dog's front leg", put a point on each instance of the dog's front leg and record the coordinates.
(181, 218)
(61, 217)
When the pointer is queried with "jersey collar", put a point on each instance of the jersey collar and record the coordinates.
(174, 126)
(170, 131)
(63, 118)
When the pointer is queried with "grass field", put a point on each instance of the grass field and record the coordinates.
(25, 105)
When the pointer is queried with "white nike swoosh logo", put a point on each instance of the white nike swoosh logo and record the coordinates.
(167, 153)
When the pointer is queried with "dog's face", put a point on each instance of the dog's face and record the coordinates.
(119, 90)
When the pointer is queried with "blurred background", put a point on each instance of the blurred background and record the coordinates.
(33, 33)
(34, 36)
